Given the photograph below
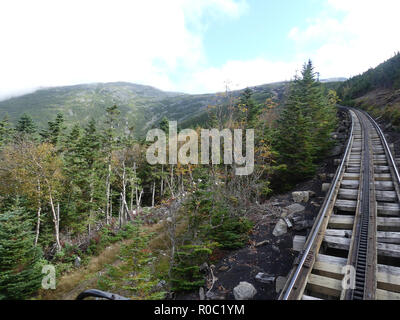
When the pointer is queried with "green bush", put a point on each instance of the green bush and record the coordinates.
(186, 274)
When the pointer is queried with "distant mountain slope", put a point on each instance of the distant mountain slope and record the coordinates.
(376, 90)
(142, 107)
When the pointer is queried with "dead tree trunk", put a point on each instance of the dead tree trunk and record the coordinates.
(108, 185)
(56, 220)
(154, 192)
(38, 216)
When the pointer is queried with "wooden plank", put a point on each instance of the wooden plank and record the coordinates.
(386, 295)
(388, 278)
(381, 169)
(329, 266)
(341, 222)
(324, 285)
(339, 233)
(346, 205)
(383, 177)
(384, 185)
(388, 224)
(351, 176)
(388, 237)
(389, 209)
(348, 194)
(337, 242)
(306, 297)
(388, 250)
(349, 184)
(386, 195)
(353, 169)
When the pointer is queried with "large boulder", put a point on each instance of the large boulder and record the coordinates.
(295, 208)
(280, 228)
(300, 196)
(244, 291)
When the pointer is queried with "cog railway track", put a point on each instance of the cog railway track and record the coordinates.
(353, 250)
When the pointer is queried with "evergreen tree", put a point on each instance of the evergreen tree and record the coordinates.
(249, 108)
(20, 273)
(26, 125)
(294, 142)
(5, 131)
(304, 126)
(54, 131)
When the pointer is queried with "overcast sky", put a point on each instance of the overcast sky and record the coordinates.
(192, 46)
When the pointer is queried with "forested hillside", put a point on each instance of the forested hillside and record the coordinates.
(376, 90)
(69, 192)
(141, 107)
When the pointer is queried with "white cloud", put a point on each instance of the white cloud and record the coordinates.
(238, 74)
(50, 43)
(364, 37)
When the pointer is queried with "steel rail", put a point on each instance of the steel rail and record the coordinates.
(325, 209)
(383, 138)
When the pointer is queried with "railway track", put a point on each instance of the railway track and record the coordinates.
(353, 250)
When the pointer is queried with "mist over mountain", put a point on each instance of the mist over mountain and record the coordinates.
(142, 107)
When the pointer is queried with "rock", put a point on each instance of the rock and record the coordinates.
(315, 204)
(325, 187)
(77, 262)
(223, 268)
(300, 196)
(244, 291)
(169, 220)
(276, 249)
(262, 243)
(322, 176)
(298, 243)
(204, 267)
(265, 278)
(280, 283)
(311, 194)
(284, 213)
(161, 284)
(302, 224)
(336, 151)
(337, 162)
(280, 228)
(295, 208)
(201, 294)
(213, 296)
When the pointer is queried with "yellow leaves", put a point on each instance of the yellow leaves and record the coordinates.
(27, 165)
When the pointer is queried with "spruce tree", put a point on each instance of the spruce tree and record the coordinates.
(26, 125)
(54, 131)
(20, 273)
(5, 131)
(294, 141)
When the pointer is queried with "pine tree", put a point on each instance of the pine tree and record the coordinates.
(5, 131)
(54, 131)
(294, 141)
(304, 126)
(26, 125)
(20, 273)
(249, 107)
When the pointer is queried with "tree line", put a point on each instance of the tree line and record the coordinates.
(68, 182)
